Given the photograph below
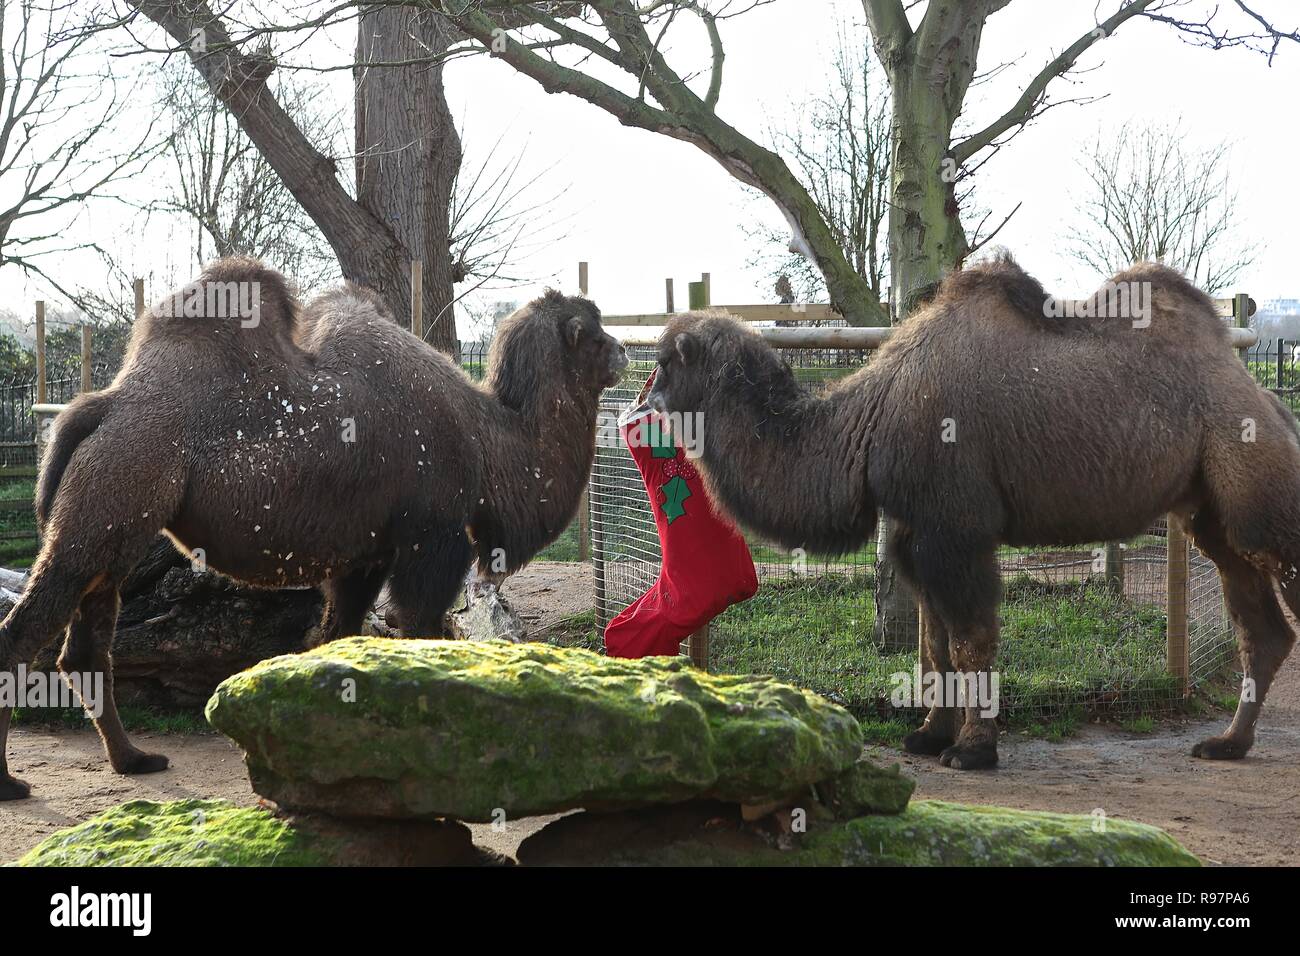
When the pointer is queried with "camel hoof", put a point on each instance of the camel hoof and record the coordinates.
(12, 788)
(926, 744)
(141, 762)
(970, 756)
(1220, 748)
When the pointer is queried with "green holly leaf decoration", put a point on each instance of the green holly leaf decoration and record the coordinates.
(675, 492)
(661, 441)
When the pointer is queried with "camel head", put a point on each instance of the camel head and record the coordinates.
(553, 338)
(706, 357)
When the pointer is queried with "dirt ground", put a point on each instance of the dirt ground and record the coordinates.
(1242, 813)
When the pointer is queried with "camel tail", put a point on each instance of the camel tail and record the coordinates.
(76, 423)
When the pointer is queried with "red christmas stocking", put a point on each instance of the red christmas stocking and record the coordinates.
(706, 564)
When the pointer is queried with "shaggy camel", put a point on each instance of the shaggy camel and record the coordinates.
(988, 420)
(322, 447)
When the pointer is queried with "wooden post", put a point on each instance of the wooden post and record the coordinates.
(697, 648)
(697, 294)
(1176, 644)
(584, 502)
(697, 645)
(40, 353)
(668, 296)
(1114, 570)
(87, 382)
(1241, 318)
(138, 286)
(417, 299)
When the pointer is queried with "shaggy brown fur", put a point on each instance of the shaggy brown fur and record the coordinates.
(330, 448)
(1067, 430)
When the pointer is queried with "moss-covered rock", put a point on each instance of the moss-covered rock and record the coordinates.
(397, 728)
(865, 788)
(927, 833)
(181, 833)
(934, 833)
(218, 833)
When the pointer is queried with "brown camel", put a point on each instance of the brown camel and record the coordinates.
(322, 447)
(991, 418)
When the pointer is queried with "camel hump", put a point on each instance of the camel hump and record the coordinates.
(236, 298)
(342, 307)
(999, 276)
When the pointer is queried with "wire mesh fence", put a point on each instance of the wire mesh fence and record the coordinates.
(1079, 631)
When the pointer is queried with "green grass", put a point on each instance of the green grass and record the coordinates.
(1139, 725)
(1052, 727)
(1063, 648)
(890, 731)
(563, 548)
(135, 719)
(17, 528)
(577, 631)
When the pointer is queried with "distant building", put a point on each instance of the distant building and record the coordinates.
(1280, 307)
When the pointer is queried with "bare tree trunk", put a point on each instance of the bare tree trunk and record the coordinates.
(408, 149)
(926, 240)
(366, 240)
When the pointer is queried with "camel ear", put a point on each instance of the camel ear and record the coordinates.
(573, 330)
(688, 349)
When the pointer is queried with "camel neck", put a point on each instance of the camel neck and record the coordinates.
(793, 471)
(536, 466)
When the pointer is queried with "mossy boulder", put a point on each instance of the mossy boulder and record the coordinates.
(219, 833)
(469, 730)
(927, 833)
(865, 788)
(935, 833)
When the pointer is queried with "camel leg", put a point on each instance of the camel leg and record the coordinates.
(348, 598)
(959, 578)
(1263, 634)
(939, 730)
(425, 582)
(87, 651)
(44, 610)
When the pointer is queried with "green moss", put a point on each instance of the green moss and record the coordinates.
(181, 833)
(865, 788)
(927, 833)
(401, 728)
(934, 833)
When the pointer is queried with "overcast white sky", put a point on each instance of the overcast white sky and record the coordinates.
(640, 207)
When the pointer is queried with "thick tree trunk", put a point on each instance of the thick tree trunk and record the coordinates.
(369, 241)
(926, 240)
(408, 150)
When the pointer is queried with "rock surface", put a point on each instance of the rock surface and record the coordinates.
(928, 833)
(865, 788)
(218, 833)
(473, 730)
